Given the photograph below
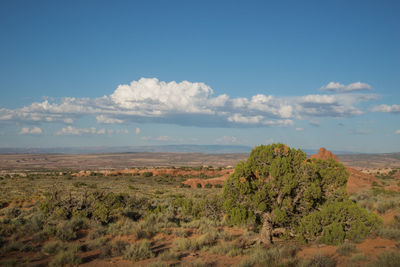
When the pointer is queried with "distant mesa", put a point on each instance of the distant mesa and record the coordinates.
(323, 153)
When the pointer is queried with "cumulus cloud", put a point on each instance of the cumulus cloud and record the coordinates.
(341, 88)
(190, 103)
(299, 129)
(137, 130)
(387, 108)
(33, 130)
(398, 131)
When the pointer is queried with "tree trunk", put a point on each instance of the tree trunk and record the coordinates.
(266, 230)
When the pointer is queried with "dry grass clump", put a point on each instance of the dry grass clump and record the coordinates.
(138, 251)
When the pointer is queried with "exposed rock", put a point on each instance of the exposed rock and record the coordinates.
(324, 154)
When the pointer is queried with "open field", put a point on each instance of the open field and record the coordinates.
(114, 161)
(54, 214)
(146, 159)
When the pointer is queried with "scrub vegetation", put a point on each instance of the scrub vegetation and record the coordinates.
(271, 211)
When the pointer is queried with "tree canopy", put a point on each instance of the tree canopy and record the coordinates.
(281, 192)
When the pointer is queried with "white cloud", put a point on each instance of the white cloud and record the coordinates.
(398, 131)
(34, 130)
(162, 138)
(153, 97)
(299, 129)
(341, 88)
(70, 130)
(318, 99)
(387, 108)
(137, 130)
(187, 103)
(68, 121)
(106, 120)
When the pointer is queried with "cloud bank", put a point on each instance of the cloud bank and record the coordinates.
(387, 108)
(191, 103)
(33, 130)
(341, 88)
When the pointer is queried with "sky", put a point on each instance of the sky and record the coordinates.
(308, 74)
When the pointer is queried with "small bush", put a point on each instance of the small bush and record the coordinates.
(138, 251)
(147, 174)
(262, 257)
(54, 247)
(320, 261)
(385, 205)
(199, 185)
(389, 233)
(226, 249)
(185, 244)
(208, 185)
(40, 237)
(65, 231)
(97, 243)
(168, 256)
(346, 249)
(387, 259)
(359, 257)
(158, 264)
(218, 186)
(63, 258)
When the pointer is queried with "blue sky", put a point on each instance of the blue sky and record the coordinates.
(116, 73)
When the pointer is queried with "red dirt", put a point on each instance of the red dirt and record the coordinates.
(213, 181)
(359, 181)
(388, 216)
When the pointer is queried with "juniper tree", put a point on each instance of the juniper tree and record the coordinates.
(278, 186)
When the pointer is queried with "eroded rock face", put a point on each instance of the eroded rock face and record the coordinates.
(323, 153)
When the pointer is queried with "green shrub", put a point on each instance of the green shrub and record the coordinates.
(218, 186)
(332, 220)
(138, 251)
(199, 185)
(168, 255)
(333, 234)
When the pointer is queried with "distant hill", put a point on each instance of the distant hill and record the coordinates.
(206, 149)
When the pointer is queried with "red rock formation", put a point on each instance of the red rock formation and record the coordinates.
(324, 154)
